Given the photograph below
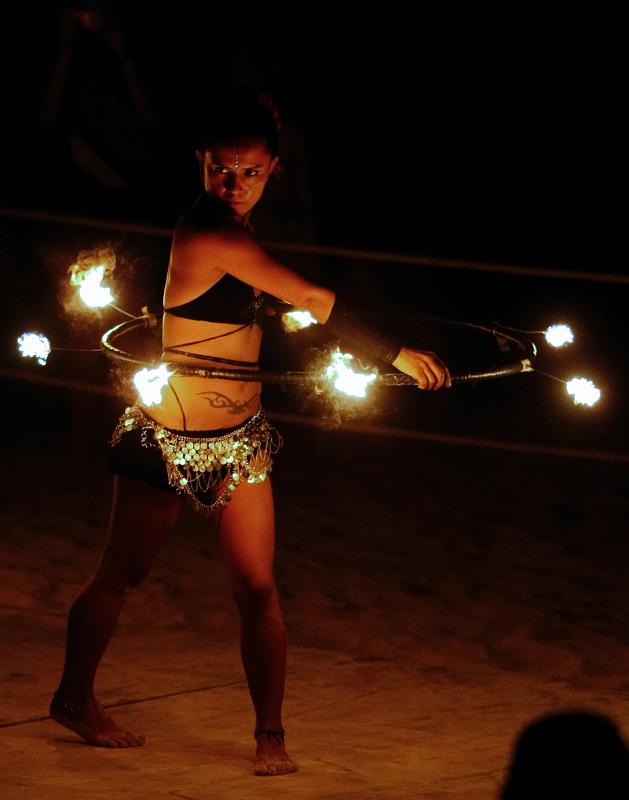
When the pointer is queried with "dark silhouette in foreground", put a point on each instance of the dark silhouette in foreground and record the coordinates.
(569, 755)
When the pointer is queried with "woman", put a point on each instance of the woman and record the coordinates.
(208, 441)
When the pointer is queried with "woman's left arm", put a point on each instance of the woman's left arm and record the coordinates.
(422, 365)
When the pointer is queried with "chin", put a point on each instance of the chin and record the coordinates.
(241, 208)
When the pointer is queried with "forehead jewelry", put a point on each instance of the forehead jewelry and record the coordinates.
(237, 164)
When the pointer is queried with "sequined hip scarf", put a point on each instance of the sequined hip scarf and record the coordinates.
(198, 464)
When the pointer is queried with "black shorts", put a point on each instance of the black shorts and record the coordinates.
(130, 458)
(207, 465)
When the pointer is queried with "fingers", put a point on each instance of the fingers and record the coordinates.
(432, 373)
(425, 367)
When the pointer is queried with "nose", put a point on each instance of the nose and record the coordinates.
(232, 181)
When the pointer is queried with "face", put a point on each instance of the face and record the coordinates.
(237, 173)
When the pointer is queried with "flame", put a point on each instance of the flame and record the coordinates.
(297, 320)
(583, 391)
(558, 335)
(89, 282)
(150, 382)
(34, 345)
(344, 378)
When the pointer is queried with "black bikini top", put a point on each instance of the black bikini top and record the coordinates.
(228, 300)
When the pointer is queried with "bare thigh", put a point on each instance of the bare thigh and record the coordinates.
(247, 536)
(141, 518)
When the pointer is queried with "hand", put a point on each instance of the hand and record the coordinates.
(427, 368)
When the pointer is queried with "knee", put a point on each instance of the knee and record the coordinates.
(257, 598)
(119, 579)
(134, 575)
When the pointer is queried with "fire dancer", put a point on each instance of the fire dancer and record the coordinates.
(212, 303)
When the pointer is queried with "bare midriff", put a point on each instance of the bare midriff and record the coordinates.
(207, 403)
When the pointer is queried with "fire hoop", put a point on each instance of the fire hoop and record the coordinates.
(114, 353)
(92, 267)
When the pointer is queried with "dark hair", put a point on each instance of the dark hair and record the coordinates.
(238, 112)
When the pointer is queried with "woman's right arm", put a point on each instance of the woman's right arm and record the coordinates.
(236, 252)
(197, 253)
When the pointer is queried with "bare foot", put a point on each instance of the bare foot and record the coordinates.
(92, 723)
(271, 756)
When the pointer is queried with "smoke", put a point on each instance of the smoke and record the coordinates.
(78, 316)
(335, 407)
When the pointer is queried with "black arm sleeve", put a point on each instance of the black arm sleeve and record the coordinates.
(348, 327)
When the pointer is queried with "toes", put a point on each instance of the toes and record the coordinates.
(264, 768)
(125, 743)
(130, 740)
(117, 741)
(277, 768)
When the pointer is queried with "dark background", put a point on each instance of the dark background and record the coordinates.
(482, 139)
(495, 580)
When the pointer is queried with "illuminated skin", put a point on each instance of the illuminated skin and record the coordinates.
(236, 174)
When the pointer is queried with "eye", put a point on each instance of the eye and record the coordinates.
(218, 170)
(252, 173)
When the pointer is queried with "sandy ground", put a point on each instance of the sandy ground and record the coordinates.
(437, 600)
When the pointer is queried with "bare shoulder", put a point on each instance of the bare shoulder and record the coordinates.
(196, 258)
(205, 247)
(191, 230)
(222, 243)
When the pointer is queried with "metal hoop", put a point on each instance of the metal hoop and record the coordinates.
(114, 353)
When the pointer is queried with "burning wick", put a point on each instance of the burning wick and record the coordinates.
(583, 391)
(344, 378)
(558, 335)
(34, 345)
(89, 282)
(297, 320)
(150, 382)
